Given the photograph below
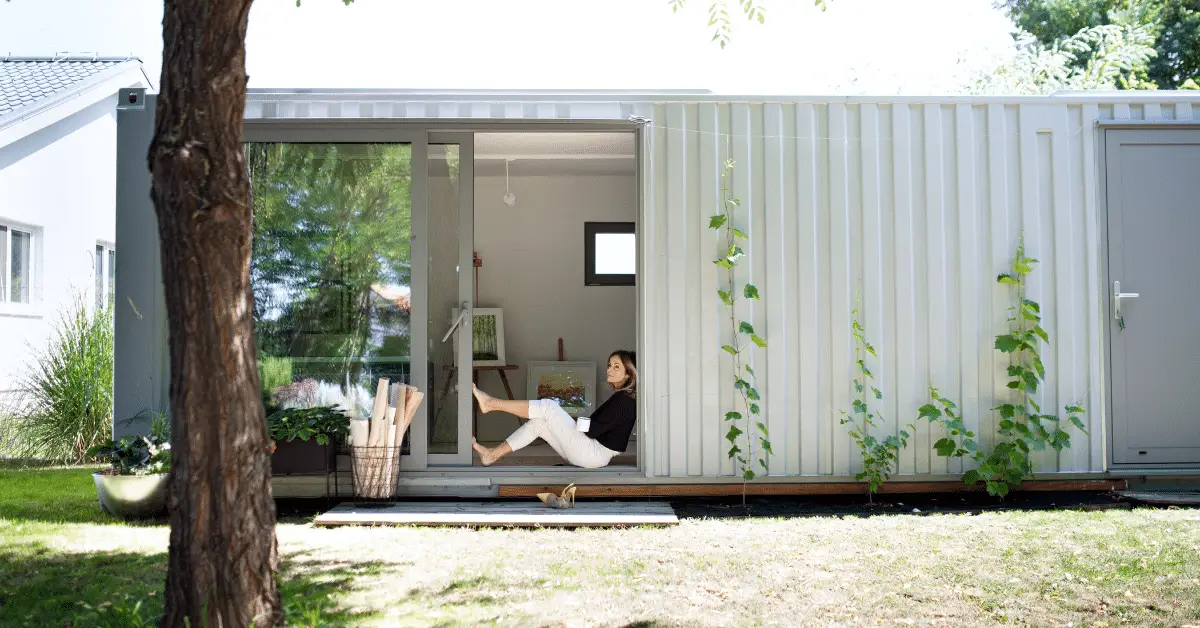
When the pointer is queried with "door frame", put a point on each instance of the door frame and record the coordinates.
(1109, 422)
(419, 133)
(466, 247)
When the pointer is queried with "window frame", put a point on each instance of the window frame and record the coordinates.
(590, 276)
(7, 305)
(105, 271)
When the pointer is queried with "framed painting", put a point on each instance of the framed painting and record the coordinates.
(571, 384)
(487, 331)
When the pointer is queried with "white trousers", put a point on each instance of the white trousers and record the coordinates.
(552, 424)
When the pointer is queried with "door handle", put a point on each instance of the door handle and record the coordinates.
(466, 311)
(1117, 296)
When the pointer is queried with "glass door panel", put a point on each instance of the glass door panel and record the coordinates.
(331, 270)
(451, 272)
(444, 301)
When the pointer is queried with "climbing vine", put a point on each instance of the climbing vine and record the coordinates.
(879, 457)
(749, 413)
(1023, 427)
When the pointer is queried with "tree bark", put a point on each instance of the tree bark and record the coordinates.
(223, 554)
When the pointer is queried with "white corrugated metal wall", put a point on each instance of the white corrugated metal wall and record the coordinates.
(911, 206)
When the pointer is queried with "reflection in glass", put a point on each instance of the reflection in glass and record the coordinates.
(112, 277)
(20, 269)
(443, 294)
(99, 276)
(3, 263)
(331, 270)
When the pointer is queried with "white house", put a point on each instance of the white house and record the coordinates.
(58, 143)
(908, 207)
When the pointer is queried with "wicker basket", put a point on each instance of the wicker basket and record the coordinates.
(375, 471)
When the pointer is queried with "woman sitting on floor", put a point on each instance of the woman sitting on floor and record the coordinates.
(607, 436)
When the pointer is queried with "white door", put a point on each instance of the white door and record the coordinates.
(1154, 302)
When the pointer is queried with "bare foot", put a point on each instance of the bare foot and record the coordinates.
(485, 400)
(486, 456)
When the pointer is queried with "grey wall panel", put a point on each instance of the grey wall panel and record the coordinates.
(141, 339)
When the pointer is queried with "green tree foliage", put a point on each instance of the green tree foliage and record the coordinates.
(1099, 57)
(1173, 27)
(720, 11)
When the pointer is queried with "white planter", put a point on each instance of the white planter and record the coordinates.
(132, 496)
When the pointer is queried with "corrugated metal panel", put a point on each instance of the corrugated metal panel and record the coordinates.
(912, 205)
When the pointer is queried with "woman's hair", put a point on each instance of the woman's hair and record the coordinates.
(629, 359)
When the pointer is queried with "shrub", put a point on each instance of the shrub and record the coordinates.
(319, 423)
(135, 455)
(68, 389)
(274, 372)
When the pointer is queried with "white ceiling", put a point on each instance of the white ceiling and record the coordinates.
(555, 153)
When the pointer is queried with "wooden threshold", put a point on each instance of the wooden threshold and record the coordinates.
(805, 488)
(502, 514)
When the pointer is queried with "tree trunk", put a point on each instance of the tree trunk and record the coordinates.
(223, 554)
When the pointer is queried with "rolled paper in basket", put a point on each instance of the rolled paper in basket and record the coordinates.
(396, 434)
(359, 428)
(412, 401)
(378, 427)
(387, 449)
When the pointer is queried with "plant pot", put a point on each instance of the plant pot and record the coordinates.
(301, 457)
(132, 496)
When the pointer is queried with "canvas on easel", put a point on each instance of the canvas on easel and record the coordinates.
(487, 336)
(571, 384)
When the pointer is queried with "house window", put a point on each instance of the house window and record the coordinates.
(610, 253)
(106, 275)
(16, 265)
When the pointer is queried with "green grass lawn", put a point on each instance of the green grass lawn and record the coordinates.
(63, 563)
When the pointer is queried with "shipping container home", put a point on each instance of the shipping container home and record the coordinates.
(382, 215)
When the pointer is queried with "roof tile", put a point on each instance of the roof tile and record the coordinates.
(26, 81)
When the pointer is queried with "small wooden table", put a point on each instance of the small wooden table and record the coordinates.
(502, 369)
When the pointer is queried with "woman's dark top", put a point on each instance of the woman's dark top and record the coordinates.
(613, 421)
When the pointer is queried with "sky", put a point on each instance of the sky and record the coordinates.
(877, 47)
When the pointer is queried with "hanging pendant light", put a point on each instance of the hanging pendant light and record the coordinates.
(510, 199)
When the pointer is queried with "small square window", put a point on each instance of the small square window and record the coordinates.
(610, 254)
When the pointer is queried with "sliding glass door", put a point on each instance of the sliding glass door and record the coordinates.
(331, 270)
(361, 265)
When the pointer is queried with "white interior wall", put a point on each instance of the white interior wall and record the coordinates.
(68, 219)
(533, 269)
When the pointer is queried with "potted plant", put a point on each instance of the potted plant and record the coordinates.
(135, 486)
(304, 438)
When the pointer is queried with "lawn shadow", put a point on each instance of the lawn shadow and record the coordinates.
(43, 587)
(890, 504)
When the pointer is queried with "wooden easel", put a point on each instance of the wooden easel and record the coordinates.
(477, 262)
